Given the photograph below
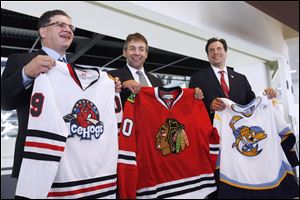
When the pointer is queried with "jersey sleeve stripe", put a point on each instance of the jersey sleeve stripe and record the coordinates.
(127, 153)
(44, 134)
(103, 194)
(101, 187)
(130, 160)
(83, 190)
(214, 145)
(214, 148)
(107, 193)
(42, 151)
(127, 157)
(38, 156)
(178, 187)
(45, 146)
(214, 152)
(82, 182)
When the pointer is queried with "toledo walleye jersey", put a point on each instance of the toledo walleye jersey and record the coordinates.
(252, 163)
(167, 146)
(71, 144)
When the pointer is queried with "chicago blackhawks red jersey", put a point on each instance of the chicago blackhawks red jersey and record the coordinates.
(252, 163)
(167, 146)
(71, 144)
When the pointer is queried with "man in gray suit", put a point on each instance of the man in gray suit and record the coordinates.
(133, 75)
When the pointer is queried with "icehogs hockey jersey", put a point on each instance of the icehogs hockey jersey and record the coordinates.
(252, 162)
(168, 147)
(71, 145)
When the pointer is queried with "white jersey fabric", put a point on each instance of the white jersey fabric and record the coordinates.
(251, 156)
(71, 144)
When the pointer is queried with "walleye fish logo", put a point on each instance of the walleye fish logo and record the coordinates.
(247, 138)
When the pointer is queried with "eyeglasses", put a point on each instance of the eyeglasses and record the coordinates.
(61, 25)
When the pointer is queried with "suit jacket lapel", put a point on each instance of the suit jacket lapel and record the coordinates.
(233, 85)
(41, 52)
(127, 73)
(151, 79)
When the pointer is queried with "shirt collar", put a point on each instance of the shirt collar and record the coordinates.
(52, 53)
(133, 70)
(216, 69)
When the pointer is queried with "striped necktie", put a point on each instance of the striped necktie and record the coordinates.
(62, 59)
(142, 78)
(223, 84)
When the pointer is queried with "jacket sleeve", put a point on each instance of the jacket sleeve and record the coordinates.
(13, 91)
(193, 81)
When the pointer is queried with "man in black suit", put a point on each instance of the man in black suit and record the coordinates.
(56, 34)
(135, 51)
(210, 81)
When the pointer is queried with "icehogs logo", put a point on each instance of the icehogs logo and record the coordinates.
(84, 120)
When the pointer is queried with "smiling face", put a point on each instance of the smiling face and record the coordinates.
(217, 54)
(136, 53)
(58, 38)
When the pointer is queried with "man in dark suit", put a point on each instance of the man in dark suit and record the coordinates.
(56, 34)
(216, 84)
(135, 51)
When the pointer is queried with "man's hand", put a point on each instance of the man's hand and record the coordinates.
(132, 85)
(217, 105)
(37, 65)
(118, 85)
(198, 93)
(271, 93)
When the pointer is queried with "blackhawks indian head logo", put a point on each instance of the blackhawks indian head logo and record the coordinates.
(84, 120)
(171, 137)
